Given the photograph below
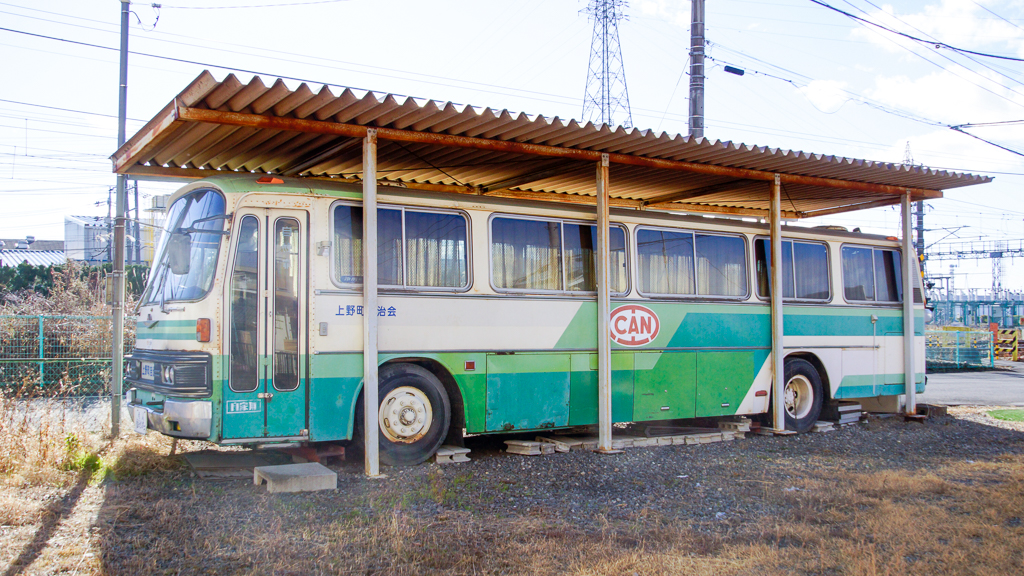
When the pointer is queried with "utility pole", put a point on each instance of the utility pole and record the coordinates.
(697, 69)
(136, 227)
(908, 162)
(117, 356)
(606, 91)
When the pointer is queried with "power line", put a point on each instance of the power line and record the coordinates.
(66, 109)
(250, 6)
(934, 43)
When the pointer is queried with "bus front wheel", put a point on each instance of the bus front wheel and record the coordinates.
(802, 396)
(414, 414)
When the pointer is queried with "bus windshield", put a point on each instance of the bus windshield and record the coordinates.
(187, 256)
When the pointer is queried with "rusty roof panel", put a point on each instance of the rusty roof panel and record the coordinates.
(709, 180)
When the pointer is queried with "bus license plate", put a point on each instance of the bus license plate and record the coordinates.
(141, 419)
(148, 371)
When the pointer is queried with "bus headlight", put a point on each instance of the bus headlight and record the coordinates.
(168, 374)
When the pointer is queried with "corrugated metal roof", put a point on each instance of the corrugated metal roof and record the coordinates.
(12, 258)
(11, 243)
(255, 127)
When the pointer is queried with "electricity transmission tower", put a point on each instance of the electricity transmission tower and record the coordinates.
(606, 96)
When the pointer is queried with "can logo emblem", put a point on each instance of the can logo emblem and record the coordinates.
(634, 325)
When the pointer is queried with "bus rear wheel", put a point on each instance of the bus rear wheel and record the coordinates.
(802, 396)
(414, 414)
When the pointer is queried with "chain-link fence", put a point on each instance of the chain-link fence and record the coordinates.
(58, 355)
(958, 350)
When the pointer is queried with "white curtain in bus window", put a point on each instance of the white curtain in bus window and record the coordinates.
(665, 262)
(286, 304)
(245, 308)
(721, 265)
(435, 247)
(888, 280)
(348, 245)
(580, 259)
(811, 270)
(858, 273)
(526, 254)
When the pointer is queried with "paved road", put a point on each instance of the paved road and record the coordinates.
(1002, 387)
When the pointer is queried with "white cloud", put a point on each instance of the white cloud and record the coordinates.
(960, 23)
(826, 95)
(949, 97)
(672, 11)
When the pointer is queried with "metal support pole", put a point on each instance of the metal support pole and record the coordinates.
(117, 356)
(370, 401)
(604, 346)
(908, 308)
(697, 69)
(778, 374)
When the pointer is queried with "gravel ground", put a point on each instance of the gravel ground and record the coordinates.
(704, 484)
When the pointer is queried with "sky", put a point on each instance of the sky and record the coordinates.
(815, 80)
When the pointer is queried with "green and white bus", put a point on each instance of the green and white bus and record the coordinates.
(251, 328)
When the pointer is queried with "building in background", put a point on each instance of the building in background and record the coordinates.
(31, 251)
(87, 238)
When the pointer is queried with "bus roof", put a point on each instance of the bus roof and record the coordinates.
(215, 127)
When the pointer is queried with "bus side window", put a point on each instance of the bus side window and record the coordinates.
(721, 265)
(888, 280)
(858, 274)
(872, 274)
(665, 262)
(810, 269)
(763, 255)
(526, 254)
(433, 254)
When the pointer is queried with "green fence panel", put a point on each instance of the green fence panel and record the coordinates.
(958, 349)
(58, 355)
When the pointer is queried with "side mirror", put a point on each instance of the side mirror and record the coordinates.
(179, 251)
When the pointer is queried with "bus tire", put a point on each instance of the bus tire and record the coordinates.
(414, 414)
(802, 396)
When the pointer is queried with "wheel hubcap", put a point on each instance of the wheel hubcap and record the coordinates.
(799, 397)
(405, 414)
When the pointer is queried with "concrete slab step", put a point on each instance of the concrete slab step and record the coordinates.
(306, 477)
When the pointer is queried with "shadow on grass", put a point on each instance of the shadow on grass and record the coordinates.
(52, 517)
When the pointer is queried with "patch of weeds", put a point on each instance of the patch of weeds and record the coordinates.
(77, 458)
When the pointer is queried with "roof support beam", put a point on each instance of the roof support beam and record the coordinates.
(324, 156)
(124, 158)
(731, 210)
(548, 170)
(854, 206)
(696, 192)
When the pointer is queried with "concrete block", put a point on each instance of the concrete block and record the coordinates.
(295, 477)
(822, 426)
(451, 454)
(730, 426)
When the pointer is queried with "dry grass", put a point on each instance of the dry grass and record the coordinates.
(38, 444)
(955, 516)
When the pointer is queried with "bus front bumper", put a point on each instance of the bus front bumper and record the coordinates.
(178, 418)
